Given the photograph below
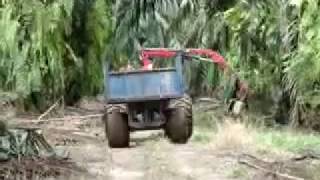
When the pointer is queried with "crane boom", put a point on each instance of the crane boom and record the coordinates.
(210, 55)
(146, 54)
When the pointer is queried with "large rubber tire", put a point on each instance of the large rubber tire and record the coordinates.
(179, 126)
(117, 130)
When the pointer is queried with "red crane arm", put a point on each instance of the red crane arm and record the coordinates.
(146, 54)
(213, 55)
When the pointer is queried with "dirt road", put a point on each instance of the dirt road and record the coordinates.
(150, 156)
(153, 158)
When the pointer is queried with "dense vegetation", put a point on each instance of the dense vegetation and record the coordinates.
(54, 48)
(51, 49)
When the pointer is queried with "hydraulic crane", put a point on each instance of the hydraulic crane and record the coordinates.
(206, 55)
(155, 98)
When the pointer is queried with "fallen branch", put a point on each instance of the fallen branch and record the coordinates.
(50, 109)
(283, 175)
(209, 107)
(64, 118)
(208, 100)
(309, 154)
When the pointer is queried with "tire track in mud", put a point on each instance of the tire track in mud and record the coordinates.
(151, 157)
(126, 164)
(159, 162)
(158, 159)
(150, 160)
(133, 163)
(191, 161)
(197, 163)
(184, 162)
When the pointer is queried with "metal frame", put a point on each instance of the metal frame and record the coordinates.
(180, 80)
(149, 105)
(148, 122)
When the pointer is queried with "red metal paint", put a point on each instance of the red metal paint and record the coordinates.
(216, 58)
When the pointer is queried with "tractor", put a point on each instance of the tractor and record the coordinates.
(152, 98)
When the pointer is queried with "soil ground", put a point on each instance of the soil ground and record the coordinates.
(150, 155)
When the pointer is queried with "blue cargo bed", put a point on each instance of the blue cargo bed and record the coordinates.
(136, 86)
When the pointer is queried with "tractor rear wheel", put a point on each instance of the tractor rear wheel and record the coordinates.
(117, 130)
(179, 124)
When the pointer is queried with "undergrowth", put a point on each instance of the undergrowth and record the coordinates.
(226, 133)
(287, 140)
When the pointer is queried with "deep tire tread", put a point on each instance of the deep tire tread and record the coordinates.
(179, 126)
(117, 129)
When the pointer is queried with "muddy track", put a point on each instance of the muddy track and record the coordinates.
(151, 157)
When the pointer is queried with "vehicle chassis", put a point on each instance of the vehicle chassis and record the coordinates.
(147, 100)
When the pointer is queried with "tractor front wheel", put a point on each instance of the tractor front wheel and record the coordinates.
(117, 130)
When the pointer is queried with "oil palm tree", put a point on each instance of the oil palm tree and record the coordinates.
(268, 42)
(39, 57)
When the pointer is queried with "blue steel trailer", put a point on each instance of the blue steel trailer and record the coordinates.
(147, 99)
(143, 85)
(137, 86)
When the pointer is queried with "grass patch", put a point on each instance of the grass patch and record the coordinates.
(239, 173)
(201, 135)
(227, 134)
(233, 136)
(287, 140)
(205, 120)
(237, 136)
